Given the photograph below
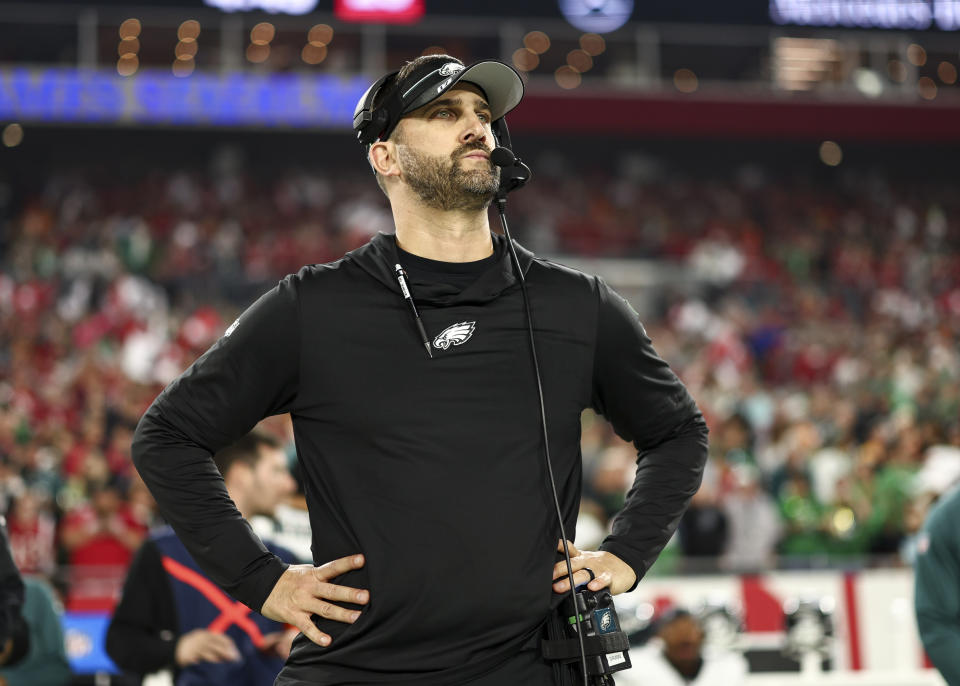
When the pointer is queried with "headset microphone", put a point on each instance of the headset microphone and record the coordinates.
(513, 173)
(502, 157)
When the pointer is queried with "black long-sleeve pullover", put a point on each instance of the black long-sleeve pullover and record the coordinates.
(432, 468)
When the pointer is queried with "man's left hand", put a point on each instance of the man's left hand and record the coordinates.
(608, 569)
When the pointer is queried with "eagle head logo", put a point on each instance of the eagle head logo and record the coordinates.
(454, 335)
(606, 622)
(451, 68)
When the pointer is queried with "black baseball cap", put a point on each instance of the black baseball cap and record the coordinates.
(500, 83)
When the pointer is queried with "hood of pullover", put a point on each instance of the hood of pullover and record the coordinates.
(379, 259)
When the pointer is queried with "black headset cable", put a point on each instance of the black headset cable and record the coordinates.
(501, 207)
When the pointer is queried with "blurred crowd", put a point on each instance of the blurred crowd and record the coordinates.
(817, 330)
(823, 345)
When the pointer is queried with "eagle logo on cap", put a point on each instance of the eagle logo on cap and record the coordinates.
(451, 68)
(454, 335)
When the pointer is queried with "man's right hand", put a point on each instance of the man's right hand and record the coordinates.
(201, 645)
(302, 591)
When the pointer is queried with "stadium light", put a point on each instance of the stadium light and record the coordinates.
(567, 77)
(12, 135)
(525, 59)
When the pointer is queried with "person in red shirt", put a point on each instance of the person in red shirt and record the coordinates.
(100, 537)
(32, 535)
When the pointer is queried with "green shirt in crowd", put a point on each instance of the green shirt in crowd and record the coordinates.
(937, 586)
(46, 662)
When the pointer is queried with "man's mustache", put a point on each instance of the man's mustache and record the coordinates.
(468, 148)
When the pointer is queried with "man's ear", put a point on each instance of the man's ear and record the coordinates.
(383, 158)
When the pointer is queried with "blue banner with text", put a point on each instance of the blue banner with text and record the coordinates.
(71, 95)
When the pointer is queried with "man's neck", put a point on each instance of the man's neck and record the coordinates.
(446, 236)
(686, 668)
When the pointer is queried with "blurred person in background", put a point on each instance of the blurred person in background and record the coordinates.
(804, 522)
(610, 479)
(893, 489)
(14, 634)
(675, 656)
(100, 537)
(172, 618)
(33, 533)
(753, 523)
(289, 526)
(45, 663)
(32, 650)
(937, 585)
(433, 523)
(117, 451)
(704, 527)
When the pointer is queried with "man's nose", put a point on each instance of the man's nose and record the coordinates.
(475, 131)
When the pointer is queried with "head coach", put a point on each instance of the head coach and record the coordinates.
(420, 432)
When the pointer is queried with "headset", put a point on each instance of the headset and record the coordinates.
(372, 123)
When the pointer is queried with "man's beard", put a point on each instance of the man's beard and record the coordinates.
(443, 184)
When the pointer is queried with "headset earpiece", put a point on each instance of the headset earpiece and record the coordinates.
(370, 122)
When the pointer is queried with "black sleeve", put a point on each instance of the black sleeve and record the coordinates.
(142, 636)
(250, 373)
(648, 405)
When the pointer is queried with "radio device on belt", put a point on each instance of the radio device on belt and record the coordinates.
(605, 644)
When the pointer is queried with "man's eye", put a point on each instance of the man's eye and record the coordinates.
(484, 117)
(442, 113)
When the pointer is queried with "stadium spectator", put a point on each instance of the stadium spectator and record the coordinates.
(703, 529)
(753, 523)
(45, 663)
(804, 521)
(171, 617)
(936, 598)
(100, 538)
(675, 657)
(32, 531)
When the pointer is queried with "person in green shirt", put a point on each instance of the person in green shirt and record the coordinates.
(45, 664)
(937, 586)
(803, 520)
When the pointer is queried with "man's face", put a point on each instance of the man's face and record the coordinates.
(271, 481)
(105, 501)
(682, 640)
(443, 149)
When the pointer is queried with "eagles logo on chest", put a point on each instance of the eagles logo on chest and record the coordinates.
(456, 334)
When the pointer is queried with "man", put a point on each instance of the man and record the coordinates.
(937, 586)
(171, 617)
(675, 657)
(434, 528)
